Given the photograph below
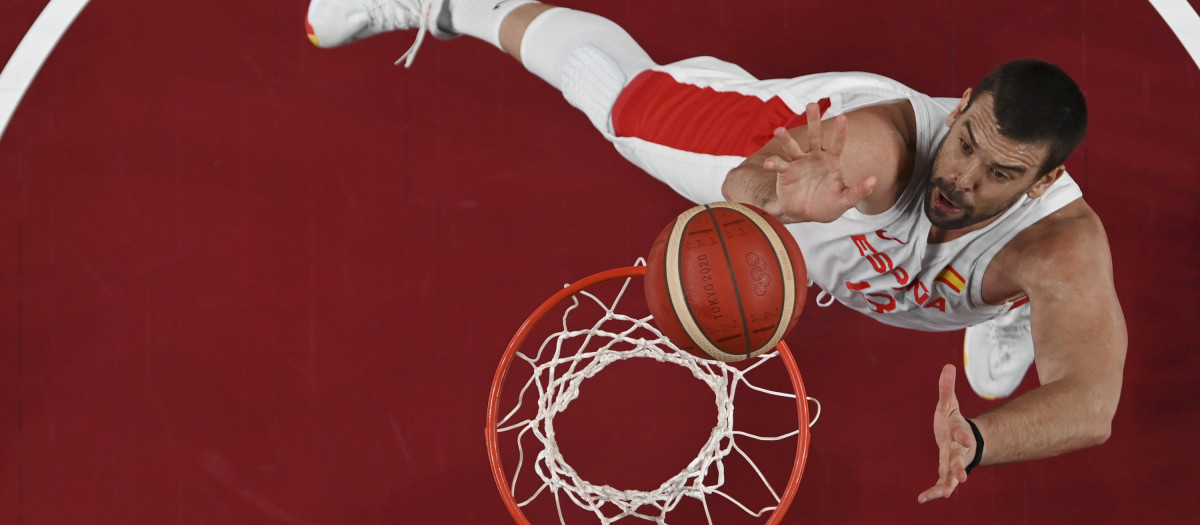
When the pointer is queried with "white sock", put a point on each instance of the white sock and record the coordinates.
(481, 18)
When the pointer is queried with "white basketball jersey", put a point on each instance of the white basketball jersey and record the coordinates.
(883, 265)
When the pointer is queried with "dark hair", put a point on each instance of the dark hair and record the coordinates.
(1035, 101)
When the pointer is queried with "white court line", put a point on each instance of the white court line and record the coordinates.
(32, 52)
(1184, 22)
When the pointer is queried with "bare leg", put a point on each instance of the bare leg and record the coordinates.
(512, 29)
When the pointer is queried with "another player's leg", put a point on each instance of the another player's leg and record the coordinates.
(997, 353)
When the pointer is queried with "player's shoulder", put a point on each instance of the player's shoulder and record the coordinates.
(1068, 243)
(891, 123)
(892, 113)
(1074, 222)
(880, 141)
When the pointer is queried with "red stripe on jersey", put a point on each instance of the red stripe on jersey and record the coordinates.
(657, 108)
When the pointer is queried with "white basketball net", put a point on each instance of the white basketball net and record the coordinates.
(559, 367)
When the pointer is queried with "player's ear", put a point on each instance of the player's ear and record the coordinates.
(960, 108)
(1042, 184)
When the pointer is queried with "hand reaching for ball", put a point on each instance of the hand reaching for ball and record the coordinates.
(811, 186)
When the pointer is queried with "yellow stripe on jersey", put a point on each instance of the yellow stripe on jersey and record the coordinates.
(952, 278)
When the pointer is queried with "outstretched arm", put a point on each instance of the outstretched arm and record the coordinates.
(1080, 342)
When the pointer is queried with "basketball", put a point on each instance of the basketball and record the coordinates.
(725, 281)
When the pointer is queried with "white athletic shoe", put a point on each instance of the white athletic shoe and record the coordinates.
(332, 23)
(997, 353)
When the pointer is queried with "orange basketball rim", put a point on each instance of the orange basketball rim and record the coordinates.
(495, 414)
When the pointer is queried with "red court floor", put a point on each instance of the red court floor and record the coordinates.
(247, 281)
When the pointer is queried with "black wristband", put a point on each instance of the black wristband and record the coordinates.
(978, 446)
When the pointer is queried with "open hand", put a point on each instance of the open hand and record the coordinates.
(956, 442)
(810, 184)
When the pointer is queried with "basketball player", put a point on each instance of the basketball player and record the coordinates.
(924, 213)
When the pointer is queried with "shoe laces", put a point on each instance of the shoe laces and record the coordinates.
(397, 14)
